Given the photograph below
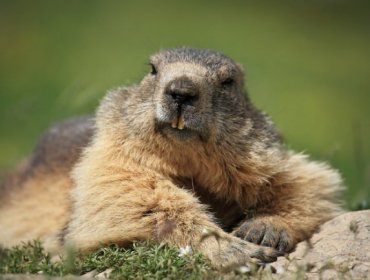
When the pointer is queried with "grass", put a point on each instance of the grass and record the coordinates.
(144, 260)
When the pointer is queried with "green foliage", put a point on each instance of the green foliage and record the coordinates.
(156, 262)
(28, 258)
(306, 64)
(144, 260)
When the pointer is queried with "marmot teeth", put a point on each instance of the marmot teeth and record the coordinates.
(178, 123)
(174, 122)
(181, 123)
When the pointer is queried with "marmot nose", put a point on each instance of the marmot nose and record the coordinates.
(182, 98)
(182, 91)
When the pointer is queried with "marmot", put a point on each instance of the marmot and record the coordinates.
(182, 153)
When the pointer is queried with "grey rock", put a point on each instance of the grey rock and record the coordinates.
(340, 250)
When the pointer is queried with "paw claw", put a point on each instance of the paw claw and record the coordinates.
(256, 235)
(266, 255)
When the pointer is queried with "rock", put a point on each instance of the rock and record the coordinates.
(340, 250)
(105, 274)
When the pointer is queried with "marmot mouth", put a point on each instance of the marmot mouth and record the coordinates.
(175, 129)
(180, 134)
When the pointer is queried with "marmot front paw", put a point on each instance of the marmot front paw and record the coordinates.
(267, 233)
(229, 251)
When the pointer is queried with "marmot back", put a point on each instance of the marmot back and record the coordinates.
(57, 150)
(180, 154)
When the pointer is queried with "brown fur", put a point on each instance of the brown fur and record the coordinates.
(183, 158)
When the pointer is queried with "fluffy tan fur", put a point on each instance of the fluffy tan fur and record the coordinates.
(136, 181)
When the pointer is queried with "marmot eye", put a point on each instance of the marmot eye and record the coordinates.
(228, 82)
(153, 70)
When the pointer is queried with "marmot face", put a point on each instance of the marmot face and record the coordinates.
(194, 92)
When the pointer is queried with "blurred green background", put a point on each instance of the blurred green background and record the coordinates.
(307, 65)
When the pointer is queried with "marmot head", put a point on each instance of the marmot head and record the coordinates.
(194, 91)
(188, 95)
